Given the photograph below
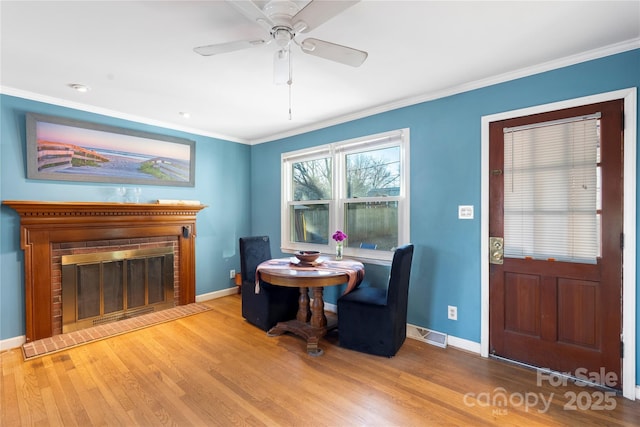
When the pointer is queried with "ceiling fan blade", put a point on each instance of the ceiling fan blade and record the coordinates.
(216, 49)
(334, 52)
(317, 12)
(252, 12)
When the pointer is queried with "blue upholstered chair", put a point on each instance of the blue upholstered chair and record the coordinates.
(373, 320)
(274, 303)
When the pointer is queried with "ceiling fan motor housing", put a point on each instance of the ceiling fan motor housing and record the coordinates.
(281, 11)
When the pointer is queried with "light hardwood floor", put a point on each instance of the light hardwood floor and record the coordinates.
(215, 369)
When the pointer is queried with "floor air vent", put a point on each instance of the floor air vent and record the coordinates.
(430, 337)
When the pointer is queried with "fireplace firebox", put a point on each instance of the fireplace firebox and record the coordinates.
(109, 286)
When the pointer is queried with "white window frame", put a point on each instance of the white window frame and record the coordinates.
(337, 151)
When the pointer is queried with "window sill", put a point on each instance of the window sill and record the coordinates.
(363, 259)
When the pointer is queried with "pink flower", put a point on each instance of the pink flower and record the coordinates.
(339, 236)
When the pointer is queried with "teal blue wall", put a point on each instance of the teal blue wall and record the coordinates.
(222, 183)
(241, 185)
(445, 173)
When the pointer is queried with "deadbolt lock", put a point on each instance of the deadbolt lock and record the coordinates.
(496, 250)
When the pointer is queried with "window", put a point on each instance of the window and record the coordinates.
(359, 186)
(552, 194)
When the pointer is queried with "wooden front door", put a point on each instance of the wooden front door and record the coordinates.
(545, 310)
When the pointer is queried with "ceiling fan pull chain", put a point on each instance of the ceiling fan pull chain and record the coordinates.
(289, 101)
(289, 83)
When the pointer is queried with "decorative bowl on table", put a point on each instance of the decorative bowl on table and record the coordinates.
(307, 257)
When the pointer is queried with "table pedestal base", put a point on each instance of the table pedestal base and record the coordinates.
(302, 329)
(309, 324)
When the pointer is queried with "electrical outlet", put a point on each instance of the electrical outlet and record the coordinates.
(232, 274)
(452, 312)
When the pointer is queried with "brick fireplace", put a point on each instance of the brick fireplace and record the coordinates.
(50, 230)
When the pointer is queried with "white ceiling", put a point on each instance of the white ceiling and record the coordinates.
(137, 57)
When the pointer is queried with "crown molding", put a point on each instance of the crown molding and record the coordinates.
(465, 87)
(32, 96)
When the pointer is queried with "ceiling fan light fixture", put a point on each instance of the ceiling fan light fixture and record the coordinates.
(282, 36)
(281, 67)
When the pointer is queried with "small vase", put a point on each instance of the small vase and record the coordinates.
(339, 251)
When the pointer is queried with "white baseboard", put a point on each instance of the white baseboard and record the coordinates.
(11, 343)
(462, 344)
(330, 307)
(217, 294)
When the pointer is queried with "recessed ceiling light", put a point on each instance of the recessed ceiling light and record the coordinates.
(79, 87)
(184, 114)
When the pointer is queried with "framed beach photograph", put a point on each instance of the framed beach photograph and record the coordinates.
(72, 150)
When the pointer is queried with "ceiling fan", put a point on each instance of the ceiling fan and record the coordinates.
(284, 20)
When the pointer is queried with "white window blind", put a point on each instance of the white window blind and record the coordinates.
(551, 190)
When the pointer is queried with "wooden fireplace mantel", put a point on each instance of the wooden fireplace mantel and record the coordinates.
(44, 223)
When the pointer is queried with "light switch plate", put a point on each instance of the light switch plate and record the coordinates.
(465, 212)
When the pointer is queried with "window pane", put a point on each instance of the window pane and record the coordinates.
(357, 186)
(551, 192)
(310, 223)
(374, 173)
(372, 225)
(312, 180)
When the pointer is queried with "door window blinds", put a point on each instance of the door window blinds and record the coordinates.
(551, 190)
